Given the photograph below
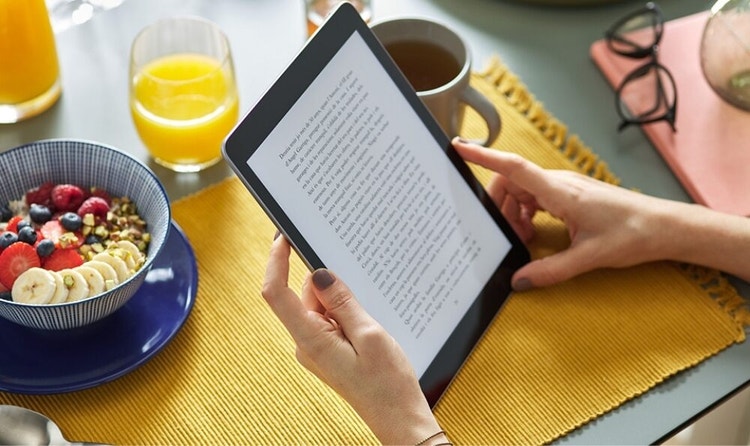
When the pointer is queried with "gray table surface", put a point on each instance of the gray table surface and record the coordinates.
(547, 46)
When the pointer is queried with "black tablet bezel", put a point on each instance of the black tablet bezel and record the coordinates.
(261, 120)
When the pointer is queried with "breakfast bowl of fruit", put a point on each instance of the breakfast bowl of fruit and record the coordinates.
(80, 226)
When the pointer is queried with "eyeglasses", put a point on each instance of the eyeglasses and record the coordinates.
(648, 93)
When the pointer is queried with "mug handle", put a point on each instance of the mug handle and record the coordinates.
(487, 110)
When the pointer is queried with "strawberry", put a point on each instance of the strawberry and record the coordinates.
(13, 224)
(54, 230)
(94, 205)
(61, 259)
(67, 197)
(5, 293)
(40, 195)
(14, 260)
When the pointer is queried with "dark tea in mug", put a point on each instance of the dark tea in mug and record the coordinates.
(437, 63)
(427, 66)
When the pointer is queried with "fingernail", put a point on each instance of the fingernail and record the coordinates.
(278, 233)
(523, 284)
(322, 279)
(463, 141)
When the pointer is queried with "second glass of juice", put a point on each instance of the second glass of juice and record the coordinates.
(183, 92)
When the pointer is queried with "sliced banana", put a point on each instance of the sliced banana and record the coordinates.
(76, 284)
(94, 279)
(119, 265)
(102, 273)
(124, 255)
(108, 273)
(132, 249)
(61, 291)
(34, 286)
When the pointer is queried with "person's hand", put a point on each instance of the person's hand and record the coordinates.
(609, 226)
(349, 351)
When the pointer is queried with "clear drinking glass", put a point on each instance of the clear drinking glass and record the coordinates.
(29, 69)
(725, 51)
(183, 93)
(317, 10)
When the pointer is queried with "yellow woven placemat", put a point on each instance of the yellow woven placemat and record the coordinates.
(554, 359)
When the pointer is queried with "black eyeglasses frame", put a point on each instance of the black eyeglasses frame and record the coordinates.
(654, 15)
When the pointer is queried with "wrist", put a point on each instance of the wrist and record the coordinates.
(417, 429)
(666, 227)
(408, 425)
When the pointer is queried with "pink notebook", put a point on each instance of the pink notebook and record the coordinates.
(710, 153)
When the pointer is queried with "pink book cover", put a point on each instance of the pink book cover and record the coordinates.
(710, 152)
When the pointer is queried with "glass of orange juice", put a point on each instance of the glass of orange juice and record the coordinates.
(183, 92)
(29, 69)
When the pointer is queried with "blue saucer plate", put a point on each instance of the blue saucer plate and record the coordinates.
(45, 362)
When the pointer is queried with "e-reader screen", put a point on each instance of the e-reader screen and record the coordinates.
(353, 169)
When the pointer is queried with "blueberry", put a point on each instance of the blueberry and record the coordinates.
(6, 295)
(27, 234)
(91, 239)
(5, 212)
(7, 238)
(71, 221)
(22, 224)
(45, 247)
(39, 213)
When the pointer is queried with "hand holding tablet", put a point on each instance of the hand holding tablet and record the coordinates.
(357, 174)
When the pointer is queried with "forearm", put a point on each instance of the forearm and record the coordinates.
(698, 235)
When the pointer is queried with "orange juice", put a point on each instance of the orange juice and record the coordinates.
(29, 70)
(183, 106)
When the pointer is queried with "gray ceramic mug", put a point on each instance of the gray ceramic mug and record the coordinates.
(437, 63)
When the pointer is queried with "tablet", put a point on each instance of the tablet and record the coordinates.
(353, 169)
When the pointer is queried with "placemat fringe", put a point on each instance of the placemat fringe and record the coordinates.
(717, 286)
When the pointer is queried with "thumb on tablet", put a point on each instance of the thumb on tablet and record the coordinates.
(339, 302)
(550, 270)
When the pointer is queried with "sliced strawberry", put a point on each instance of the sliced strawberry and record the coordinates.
(13, 224)
(14, 260)
(61, 259)
(67, 197)
(40, 195)
(5, 293)
(94, 205)
(54, 231)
